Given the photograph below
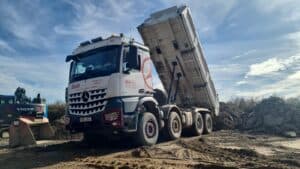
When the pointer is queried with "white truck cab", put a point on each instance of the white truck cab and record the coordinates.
(108, 80)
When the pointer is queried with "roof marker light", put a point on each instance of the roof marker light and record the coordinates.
(97, 39)
(85, 43)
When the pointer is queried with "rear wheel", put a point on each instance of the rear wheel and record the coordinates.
(148, 130)
(174, 126)
(208, 123)
(198, 125)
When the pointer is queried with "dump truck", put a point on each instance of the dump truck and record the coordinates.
(111, 92)
(23, 120)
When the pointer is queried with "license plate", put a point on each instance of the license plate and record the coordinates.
(85, 119)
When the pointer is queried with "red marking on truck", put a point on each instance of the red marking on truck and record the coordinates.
(130, 83)
(96, 81)
(147, 74)
(75, 86)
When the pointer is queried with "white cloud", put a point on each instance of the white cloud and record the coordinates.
(295, 76)
(288, 87)
(35, 75)
(285, 10)
(267, 7)
(266, 67)
(247, 53)
(26, 24)
(294, 15)
(294, 37)
(100, 19)
(241, 82)
(5, 46)
(228, 69)
(272, 65)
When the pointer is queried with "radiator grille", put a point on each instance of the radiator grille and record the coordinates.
(95, 103)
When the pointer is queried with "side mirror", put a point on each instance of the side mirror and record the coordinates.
(126, 70)
(133, 58)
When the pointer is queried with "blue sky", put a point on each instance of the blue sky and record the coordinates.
(252, 47)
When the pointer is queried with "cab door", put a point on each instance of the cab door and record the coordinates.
(132, 83)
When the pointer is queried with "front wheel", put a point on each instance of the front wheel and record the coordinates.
(208, 123)
(148, 130)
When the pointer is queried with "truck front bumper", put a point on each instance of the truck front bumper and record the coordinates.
(125, 122)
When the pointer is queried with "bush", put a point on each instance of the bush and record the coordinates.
(56, 111)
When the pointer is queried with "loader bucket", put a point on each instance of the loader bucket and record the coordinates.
(28, 131)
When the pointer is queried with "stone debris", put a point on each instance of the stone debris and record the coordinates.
(272, 115)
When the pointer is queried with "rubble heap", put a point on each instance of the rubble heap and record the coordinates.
(272, 115)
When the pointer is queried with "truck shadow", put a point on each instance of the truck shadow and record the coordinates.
(59, 151)
(42, 156)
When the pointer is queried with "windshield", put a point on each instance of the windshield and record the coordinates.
(100, 62)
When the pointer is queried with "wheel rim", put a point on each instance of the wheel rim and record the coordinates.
(150, 129)
(209, 123)
(176, 125)
(199, 123)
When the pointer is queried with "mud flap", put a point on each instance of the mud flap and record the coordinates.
(26, 132)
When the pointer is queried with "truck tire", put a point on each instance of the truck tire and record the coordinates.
(208, 123)
(174, 126)
(198, 126)
(148, 130)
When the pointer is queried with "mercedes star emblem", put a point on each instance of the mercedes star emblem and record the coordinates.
(85, 96)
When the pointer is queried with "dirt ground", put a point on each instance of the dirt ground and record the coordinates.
(222, 149)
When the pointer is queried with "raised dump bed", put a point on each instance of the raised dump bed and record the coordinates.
(170, 34)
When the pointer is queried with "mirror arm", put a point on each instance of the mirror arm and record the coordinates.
(127, 71)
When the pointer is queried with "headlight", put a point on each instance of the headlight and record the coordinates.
(111, 116)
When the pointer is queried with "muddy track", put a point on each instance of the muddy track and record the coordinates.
(224, 149)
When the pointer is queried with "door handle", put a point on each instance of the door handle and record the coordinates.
(141, 90)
